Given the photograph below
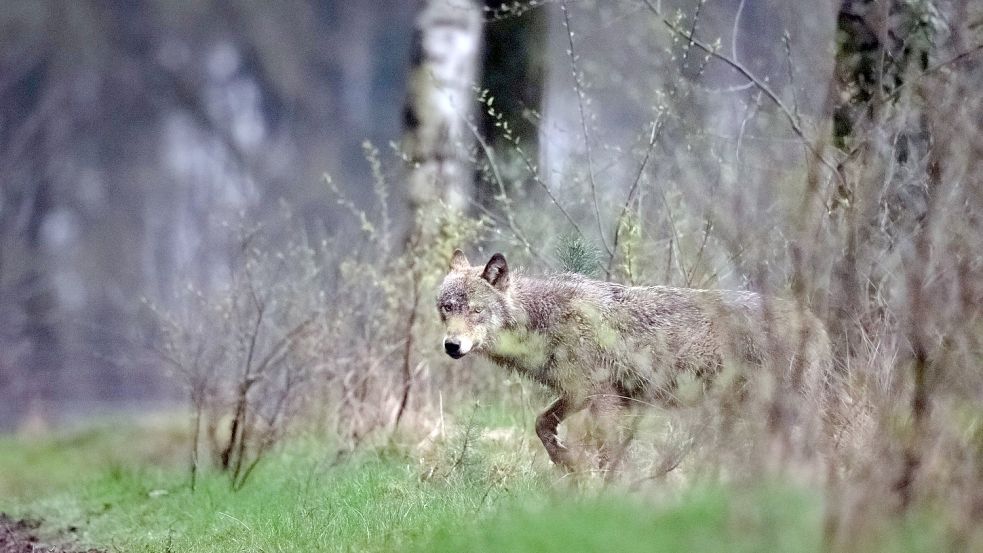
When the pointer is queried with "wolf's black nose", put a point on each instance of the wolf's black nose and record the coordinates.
(452, 347)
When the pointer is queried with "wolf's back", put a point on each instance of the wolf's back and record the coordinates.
(643, 339)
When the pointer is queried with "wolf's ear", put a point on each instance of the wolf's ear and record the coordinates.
(459, 262)
(497, 272)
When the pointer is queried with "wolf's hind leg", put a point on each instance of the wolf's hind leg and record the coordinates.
(546, 427)
(607, 416)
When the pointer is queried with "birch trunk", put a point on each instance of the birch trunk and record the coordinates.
(440, 102)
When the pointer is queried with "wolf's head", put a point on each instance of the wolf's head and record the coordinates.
(473, 303)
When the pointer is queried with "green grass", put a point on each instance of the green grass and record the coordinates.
(57, 462)
(125, 488)
(710, 520)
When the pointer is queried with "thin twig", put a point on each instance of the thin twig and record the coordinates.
(515, 231)
(937, 67)
(786, 38)
(734, 31)
(656, 133)
(675, 235)
(534, 172)
(699, 254)
(793, 120)
(410, 323)
(583, 123)
(657, 127)
(510, 219)
(509, 216)
(748, 114)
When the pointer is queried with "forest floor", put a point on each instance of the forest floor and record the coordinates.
(21, 536)
(124, 486)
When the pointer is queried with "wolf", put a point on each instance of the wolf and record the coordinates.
(606, 346)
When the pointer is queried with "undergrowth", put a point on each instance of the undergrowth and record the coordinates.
(123, 487)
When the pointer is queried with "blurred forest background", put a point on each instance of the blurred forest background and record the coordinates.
(130, 133)
(247, 207)
(244, 209)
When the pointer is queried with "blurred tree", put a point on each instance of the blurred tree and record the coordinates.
(514, 65)
(446, 46)
(128, 131)
(878, 44)
(881, 48)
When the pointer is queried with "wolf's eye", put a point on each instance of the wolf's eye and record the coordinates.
(477, 309)
(444, 308)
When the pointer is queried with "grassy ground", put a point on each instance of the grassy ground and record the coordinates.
(124, 487)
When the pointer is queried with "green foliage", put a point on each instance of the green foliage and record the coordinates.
(578, 255)
(629, 246)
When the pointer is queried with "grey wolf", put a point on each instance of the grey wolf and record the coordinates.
(604, 346)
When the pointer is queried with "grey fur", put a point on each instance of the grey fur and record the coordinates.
(604, 345)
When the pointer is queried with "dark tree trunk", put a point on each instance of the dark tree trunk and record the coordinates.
(514, 75)
(39, 304)
(880, 46)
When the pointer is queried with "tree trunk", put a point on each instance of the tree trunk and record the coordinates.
(880, 46)
(40, 308)
(437, 138)
(514, 75)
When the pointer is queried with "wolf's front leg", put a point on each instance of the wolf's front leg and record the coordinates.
(546, 427)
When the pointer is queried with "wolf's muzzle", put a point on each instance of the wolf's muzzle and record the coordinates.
(453, 348)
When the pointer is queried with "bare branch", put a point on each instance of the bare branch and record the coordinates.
(962, 56)
(793, 120)
(583, 123)
(509, 215)
(657, 127)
